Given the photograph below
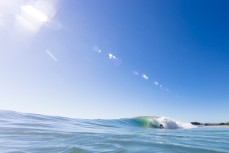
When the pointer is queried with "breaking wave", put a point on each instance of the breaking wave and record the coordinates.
(35, 133)
(160, 122)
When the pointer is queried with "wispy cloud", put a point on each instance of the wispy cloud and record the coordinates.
(52, 56)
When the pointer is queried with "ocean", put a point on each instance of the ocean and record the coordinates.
(34, 133)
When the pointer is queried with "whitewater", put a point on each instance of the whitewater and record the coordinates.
(34, 133)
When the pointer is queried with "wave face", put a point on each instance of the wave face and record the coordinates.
(161, 122)
(34, 133)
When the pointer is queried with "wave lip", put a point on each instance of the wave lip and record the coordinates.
(161, 122)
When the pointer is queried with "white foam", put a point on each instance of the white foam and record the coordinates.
(173, 124)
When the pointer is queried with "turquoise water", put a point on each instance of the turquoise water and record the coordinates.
(32, 133)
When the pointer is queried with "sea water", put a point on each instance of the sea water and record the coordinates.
(33, 133)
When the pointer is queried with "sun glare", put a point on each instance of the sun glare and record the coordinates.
(35, 13)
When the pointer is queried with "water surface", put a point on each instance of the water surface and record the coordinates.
(33, 133)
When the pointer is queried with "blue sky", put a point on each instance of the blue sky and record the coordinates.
(117, 58)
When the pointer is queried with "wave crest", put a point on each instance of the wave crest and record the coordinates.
(161, 122)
